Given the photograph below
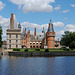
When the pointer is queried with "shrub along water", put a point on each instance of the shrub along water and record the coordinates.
(16, 49)
(46, 50)
(26, 50)
(37, 49)
(66, 49)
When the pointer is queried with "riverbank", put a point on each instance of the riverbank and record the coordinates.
(41, 54)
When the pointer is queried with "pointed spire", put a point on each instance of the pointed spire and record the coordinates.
(50, 20)
(19, 25)
(19, 22)
(50, 28)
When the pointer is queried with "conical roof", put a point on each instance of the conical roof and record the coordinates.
(19, 25)
(50, 29)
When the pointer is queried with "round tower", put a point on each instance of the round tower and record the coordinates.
(50, 36)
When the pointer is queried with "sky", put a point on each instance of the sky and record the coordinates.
(37, 13)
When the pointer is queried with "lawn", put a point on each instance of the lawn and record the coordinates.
(43, 50)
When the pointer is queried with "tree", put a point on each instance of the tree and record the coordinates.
(65, 38)
(0, 36)
(72, 44)
(68, 38)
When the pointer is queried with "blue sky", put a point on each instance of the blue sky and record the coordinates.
(37, 13)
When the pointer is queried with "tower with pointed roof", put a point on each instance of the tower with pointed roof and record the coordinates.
(50, 36)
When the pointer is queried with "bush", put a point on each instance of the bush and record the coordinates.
(46, 50)
(72, 44)
(37, 49)
(66, 49)
(71, 48)
(16, 49)
(26, 50)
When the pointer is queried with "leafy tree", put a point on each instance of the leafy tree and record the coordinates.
(0, 36)
(65, 39)
(72, 44)
(68, 38)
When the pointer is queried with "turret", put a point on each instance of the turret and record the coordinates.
(19, 25)
(50, 36)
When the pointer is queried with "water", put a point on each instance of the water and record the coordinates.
(11, 65)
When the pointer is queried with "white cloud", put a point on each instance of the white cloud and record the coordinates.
(1, 5)
(34, 5)
(73, 5)
(4, 22)
(59, 33)
(57, 8)
(65, 11)
(58, 24)
(33, 25)
(70, 27)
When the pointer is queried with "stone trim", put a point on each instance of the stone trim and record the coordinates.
(13, 39)
(13, 44)
(13, 30)
(13, 33)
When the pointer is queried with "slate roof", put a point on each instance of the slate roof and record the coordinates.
(51, 27)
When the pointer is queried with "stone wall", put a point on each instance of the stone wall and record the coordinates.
(42, 54)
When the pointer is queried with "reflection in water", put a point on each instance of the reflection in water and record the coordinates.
(11, 65)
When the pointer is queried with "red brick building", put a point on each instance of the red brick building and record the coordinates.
(47, 40)
(18, 39)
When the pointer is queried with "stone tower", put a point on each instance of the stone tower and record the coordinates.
(14, 33)
(50, 36)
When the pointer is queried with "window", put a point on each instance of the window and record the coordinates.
(33, 43)
(30, 43)
(33, 46)
(40, 46)
(37, 46)
(16, 36)
(40, 35)
(16, 46)
(37, 43)
(30, 46)
(9, 41)
(16, 41)
(9, 46)
(9, 36)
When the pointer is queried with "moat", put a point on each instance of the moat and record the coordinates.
(12, 65)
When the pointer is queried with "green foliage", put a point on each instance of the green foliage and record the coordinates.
(0, 36)
(26, 50)
(46, 50)
(72, 45)
(68, 38)
(16, 49)
(37, 49)
(66, 49)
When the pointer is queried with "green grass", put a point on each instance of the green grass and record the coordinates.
(43, 50)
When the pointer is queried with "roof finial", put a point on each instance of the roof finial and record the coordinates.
(50, 20)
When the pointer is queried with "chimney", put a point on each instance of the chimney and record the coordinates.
(25, 30)
(35, 32)
(49, 25)
(11, 21)
(29, 31)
